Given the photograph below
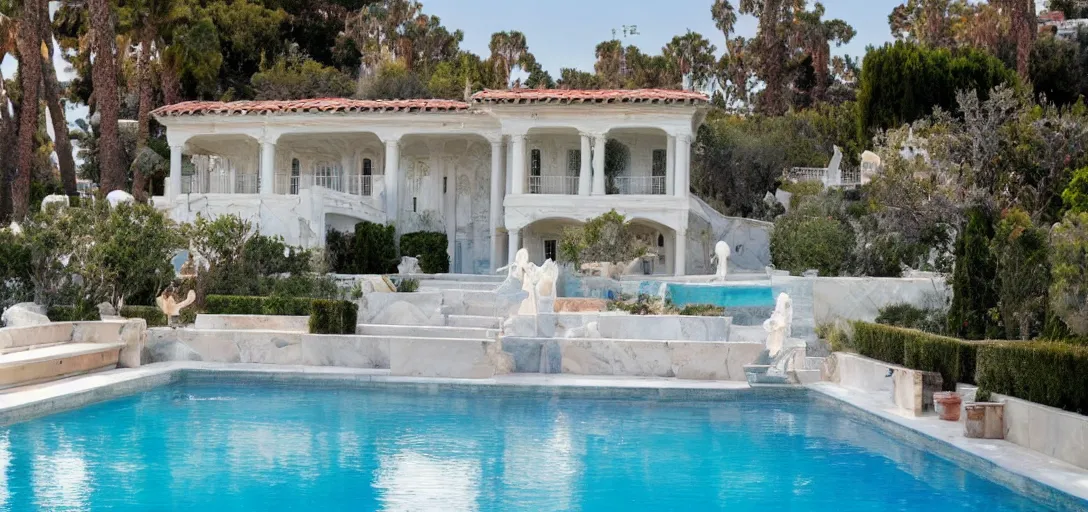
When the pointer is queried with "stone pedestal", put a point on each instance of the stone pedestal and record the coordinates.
(985, 420)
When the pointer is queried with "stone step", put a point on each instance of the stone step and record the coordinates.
(24, 348)
(467, 278)
(55, 362)
(814, 363)
(487, 322)
(807, 376)
(434, 284)
(425, 331)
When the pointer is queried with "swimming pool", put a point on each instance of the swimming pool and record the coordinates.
(223, 446)
(728, 296)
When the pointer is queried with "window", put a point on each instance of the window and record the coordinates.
(549, 250)
(414, 203)
(574, 162)
(294, 176)
(327, 174)
(659, 162)
(368, 170)
(445, 181)
(534, 163)
(660, 240)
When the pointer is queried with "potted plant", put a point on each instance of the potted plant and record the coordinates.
(948, 404)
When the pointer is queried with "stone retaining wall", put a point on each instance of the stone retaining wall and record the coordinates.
(910, 390)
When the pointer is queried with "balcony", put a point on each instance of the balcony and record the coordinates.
(637, 185)
(353, 184)
(565, 185)
(220, 183)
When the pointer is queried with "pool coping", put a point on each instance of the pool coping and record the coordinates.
(1023, 470)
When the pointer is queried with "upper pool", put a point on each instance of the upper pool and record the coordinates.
(234, 447)
(730, 296)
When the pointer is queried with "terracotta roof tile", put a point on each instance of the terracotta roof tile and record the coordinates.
(568, 96)
(303, 106)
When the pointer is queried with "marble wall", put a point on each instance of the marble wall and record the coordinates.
(1048, 430)
(253, 322)
(680, 359)
(911, 391)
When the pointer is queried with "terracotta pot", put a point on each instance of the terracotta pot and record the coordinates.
(950, 402)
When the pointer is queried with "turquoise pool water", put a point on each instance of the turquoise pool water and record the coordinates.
(683, 294)
(234, 447)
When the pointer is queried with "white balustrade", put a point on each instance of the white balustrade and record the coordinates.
(639, 185)
(566, 185)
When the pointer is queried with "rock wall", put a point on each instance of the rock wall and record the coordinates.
(748, 239)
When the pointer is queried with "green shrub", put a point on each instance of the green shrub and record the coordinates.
(1054, 374)
(234, 305)
(702, 310)
(1069, 273)
(288, 306)
(339, 251)
(954, 359)
(880, 342)
(909, 316)
(407, 285)
(430, 247)
(804, 240)
(375, 248)
(974, 279)
(243, 305)
(153, 315)
(333, 317)
(79, 313)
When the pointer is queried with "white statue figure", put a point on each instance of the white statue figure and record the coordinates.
(778, 325)
(117, 197)
(15, 228)
(409, 265)
(721, 257)
(57, 199)
(527, 274)
(545, 288)
(169, 305)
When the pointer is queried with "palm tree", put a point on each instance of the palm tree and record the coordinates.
(106, 99)
(509, 49)
(8, 28)
(691, 55)
(770, 50)
(51, 91)
(28, 42)
(725, 17)
(610, 64)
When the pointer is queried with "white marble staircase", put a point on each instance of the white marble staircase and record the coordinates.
(54, 361)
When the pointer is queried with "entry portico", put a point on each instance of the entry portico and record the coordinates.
(482, 172)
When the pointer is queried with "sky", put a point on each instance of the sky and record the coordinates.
(564, 33)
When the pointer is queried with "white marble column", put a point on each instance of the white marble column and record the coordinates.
(268, 167)
(585, 173)
(451, 208)
(683, 165)
(392, 179)
(670, 165)
(173, 184)
(498, 187)
(680, 252)
(517, 145)
(515, 244)
(598, 165)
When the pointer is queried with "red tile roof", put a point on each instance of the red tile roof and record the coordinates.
(568, 96)
(303, 106)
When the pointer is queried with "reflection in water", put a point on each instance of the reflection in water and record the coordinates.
(61, 481)
(277, 448)
(411, 481)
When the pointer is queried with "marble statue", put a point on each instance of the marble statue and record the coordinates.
(170, 306)
(778, 326)
(546, 279)
(15, 228)
(188, 269)
(57, 199)
(117, 197)
(24, 314)
(408, 265)
(721, 257)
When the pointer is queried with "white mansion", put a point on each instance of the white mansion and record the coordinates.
(509, 170)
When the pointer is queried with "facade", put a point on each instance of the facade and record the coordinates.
(511, 169)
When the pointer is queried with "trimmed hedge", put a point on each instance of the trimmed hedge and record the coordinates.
(375, 248)
(333, 317)
(73, 314)
(954, 359)
(1054, 374)
(246, 305)
(153, 315)
(430, 247)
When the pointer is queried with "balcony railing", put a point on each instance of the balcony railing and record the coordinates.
(220, 183)
(638, 185)
(355, 184)
(360, 185)
(567, 185)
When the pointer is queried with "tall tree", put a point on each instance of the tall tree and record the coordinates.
(106, 98)
(770, 47)
(51, 91)
(815, 35)
(509, 50)
(28, 41)
(8, 128)
(691, 55)
(611, 64)
(1021, 15)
